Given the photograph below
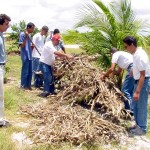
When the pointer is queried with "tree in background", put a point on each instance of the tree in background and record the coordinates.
(72, 37)
(16, 29)
(109, 25)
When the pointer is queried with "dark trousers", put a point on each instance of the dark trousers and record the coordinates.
(26, 74)
(48, 78)
(38, 82)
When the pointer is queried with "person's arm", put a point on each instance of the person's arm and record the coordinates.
(109, 71)
(131, 72)
(60, 53)
(136, 94)
(25, 40)
(118, 71)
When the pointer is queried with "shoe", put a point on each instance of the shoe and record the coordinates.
(30, 88)
(4, 123)
(132, 127)
(137, 131)
(25, 88)
(45, 94)
(53, 94)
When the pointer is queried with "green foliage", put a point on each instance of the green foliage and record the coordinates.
(6, 143)
(91, 43)
(36, 30)
(7, 69)
(16, 29)
(148, 40)
(72, 37)
(109, 26)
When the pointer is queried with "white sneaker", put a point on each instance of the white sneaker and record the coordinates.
(4, 123)
(137, 131)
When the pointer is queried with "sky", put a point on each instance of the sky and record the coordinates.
(61, 14)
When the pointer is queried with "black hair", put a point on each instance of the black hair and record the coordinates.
(4, 17)
(56, 31)
(45, 28)
(30, 25)
(130, 40)
(113, 50)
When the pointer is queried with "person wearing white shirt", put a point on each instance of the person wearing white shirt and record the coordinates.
(47, 60)
(4, 25)
(61, 44)
(124, 60)
(38, 40)
(141, 74)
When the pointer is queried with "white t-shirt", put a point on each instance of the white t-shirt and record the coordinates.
(38, 40)
(140, 63)
(47, 55)
(122, 59)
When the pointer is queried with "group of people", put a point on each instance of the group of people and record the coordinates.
(39, 54)
(136, 84)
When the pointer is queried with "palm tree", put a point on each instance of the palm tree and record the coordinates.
(109, 25)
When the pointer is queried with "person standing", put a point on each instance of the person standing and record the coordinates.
(47, 60)
(26, 56)
(60, 46)
(141, 74)
(38, 40)
(4, 25)
(124, 60)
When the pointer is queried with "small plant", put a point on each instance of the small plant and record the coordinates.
(7, 69)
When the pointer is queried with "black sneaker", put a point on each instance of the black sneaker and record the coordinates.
(45, 94)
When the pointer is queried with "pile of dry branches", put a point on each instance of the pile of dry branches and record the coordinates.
(80, 83)
(62, 119)
(57, 123)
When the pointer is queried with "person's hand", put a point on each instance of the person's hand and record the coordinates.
(136, 96)
(102, 77)
(131, 73)
(26, 34)
(69, 57)
(33, 45)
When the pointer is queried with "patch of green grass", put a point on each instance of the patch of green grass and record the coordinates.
(6, 142)
(74, 51)
(10, 46)
(148, 130)
(15, 97)
(14, 64)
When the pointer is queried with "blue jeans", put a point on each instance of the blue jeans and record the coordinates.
(26, 74)
(127, 88)
(140, 107)
(38, 82)
(48, 78)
